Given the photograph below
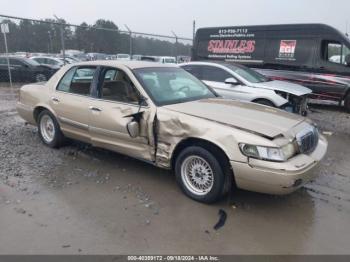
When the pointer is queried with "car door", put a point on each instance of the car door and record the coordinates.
(71, 99)
(215, 77)
(19, 70)
(116, 100)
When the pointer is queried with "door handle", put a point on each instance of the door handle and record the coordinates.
(55, 99)
(93, 108)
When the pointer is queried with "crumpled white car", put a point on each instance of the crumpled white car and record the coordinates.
(239, 82)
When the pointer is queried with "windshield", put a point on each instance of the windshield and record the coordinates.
(248, 74)
(171, 85)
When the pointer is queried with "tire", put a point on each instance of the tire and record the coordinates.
(206, 186)
(347, 103)
(264, 102)
(49, 130)
(40, 77)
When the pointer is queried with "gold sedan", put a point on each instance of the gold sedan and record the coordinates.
(165, 116)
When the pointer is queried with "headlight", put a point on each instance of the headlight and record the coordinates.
(268, 153)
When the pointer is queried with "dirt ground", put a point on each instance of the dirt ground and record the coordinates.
(83, 200)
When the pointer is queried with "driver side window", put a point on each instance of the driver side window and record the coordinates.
(215, 74)
(335, 52)
(117, 86)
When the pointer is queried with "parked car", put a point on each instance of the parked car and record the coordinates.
(165, 116)
(167, 59)
(314, 55)
(136, 57)
(96, 56)
(240, 82)
(149, 58)
(123, 57)
(47, 60)
(25, 70)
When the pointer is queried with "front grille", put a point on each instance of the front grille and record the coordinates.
(307, 140)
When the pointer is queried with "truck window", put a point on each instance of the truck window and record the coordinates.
(334, 52)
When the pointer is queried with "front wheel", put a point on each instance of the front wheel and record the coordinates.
(40, 77)
(49, 130)
(199, 174)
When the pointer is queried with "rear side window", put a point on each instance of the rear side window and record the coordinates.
(77, 81)
(211, 73)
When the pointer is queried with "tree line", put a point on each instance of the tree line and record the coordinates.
(32, 36)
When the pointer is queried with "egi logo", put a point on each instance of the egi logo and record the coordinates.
(287, 48)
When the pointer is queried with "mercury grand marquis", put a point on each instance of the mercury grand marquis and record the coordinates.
(163, 115)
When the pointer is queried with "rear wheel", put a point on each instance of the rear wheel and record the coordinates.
(49, 130)
(200, 175)
(264, 102)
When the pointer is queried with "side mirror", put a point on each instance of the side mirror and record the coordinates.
(133, 128)
(231, 81)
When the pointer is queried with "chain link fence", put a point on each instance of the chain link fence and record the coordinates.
(36, 49)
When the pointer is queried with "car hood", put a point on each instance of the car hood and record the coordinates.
(252, 117)
(284, 86)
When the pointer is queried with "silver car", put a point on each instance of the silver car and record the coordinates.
(239, 82)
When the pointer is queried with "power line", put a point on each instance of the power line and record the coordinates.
(92, 27)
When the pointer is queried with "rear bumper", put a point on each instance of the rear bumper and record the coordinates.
(279, 178)
(26, 112)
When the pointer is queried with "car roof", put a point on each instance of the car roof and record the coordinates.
(214, 63)
(42, 56)
(129, 64)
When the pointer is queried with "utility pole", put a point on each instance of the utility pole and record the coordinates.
(62, 41)
(50, 42)
(193, 31)
(130, 40)
(5, 30)
(176, 40)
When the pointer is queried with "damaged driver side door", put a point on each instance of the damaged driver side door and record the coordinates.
(118, 116)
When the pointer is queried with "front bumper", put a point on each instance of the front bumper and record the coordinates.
(279, 177)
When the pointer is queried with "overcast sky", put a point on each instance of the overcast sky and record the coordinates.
(162, 16)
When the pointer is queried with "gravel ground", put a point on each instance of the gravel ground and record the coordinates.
(83, 200)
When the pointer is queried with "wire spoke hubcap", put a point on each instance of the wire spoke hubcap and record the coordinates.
(47, 128)
(197, 175)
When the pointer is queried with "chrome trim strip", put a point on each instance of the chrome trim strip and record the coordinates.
(106, 132)
(74, 123)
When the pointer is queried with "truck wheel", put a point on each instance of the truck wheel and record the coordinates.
(264, 102)
(200, 175)
(49, 130)
(347, 103)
